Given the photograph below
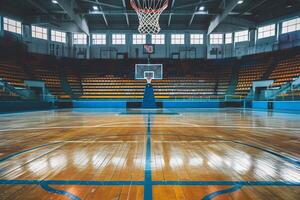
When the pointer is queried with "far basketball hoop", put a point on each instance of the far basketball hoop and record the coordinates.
(149, 49)
(148, 72)
(149, 12)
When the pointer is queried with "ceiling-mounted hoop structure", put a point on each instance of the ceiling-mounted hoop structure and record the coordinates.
(149, 12)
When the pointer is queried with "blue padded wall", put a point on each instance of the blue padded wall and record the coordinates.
(287, 105)
(99, 104)
(13, 106)
(260, 105)
(191, 104)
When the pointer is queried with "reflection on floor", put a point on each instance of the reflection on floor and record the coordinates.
(193, 154)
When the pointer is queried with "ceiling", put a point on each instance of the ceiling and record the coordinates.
(118, 14)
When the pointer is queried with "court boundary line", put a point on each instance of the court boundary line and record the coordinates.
(148, 183)
(170, 124)
(221, 192)
(154, 183)
(49, 189)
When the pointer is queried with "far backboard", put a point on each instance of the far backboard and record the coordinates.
(144, 70)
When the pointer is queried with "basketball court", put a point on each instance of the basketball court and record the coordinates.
(149, 100)
(106, 154)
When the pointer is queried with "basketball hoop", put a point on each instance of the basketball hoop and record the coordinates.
(149, 75)
(149, 12)
(149, 79)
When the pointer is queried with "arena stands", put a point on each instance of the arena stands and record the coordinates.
(51, 77)
(13, 74)
(247, 75)
(286, 70)
(196, 79)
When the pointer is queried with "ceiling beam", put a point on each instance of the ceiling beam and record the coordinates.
(239, 22)
(103, 14)
(165, 13)
(126, 15)
(43, 10)
(256, 5)
(170, 15)
(102, 4)
(193, 4)
(220, 18)
(69, 7)
(194, 13)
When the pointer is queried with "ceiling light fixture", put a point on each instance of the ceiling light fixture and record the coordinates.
(202, 8)
(54, 1)
(240, 2)
(95, 8)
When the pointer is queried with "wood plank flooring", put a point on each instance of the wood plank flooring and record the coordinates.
(106, 154)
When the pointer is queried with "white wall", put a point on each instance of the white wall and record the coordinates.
(168, 50)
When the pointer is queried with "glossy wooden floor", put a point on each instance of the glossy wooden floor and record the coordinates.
(99, 154)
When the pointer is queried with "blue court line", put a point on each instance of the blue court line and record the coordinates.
(61, 192)
(224, 183)
(148, 171)
(26, 150)
(286, 158)
(225, 191)
(156, 183)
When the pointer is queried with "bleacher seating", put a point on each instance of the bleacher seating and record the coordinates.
(74, 81)
(202, 85)
(51, 77)
(13, 74)
(6, 96)
(248, 74)
(290, 95)
(285, 71)
(90, 79)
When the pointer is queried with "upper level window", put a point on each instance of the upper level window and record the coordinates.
(118, 39)
(12, 25)
(228, 38)
(158, 39)
(58, 36)
(177, 39)
(196, 38)
(138, 39)
(291, 25)
(241, 36)
(80, 38)
(99, 39)
(216, 38)
(266, 31)
(39, 32)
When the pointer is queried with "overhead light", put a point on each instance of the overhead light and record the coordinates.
(240, 2)
(202, 8)
(54, 1)
(95, 8)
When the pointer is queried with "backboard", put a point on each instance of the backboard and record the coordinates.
(142, 71)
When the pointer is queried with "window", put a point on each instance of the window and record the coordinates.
(12, 25)
(196, 38)
(79, 38)
(241, 36)
(291, 25)
(216, 38)
(266, 31)
(177, 39)
(99, 39)
(118, 39)
(58, 36)
(39, 32)
(138, 39)
(158, 39)
(228, 38)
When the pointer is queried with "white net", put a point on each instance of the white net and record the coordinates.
(149, 12)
